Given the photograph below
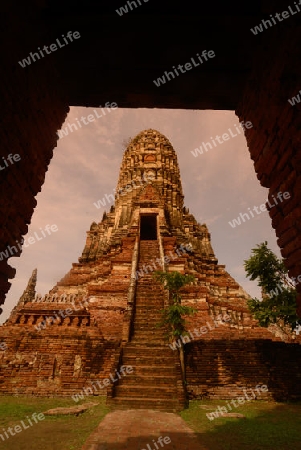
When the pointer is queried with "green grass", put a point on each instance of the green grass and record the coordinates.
(267, 426)
(52, 433)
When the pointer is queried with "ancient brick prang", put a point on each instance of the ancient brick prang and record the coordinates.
(103, 314)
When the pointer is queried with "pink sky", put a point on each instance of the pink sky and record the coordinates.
(218, 185)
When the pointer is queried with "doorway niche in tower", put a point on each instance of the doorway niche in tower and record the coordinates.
(148, 227)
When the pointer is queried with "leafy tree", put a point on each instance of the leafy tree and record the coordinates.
(172, 316)
(279, 294)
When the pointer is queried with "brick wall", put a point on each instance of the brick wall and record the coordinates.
(274, 141)
(57, 362)
(33, 110)
(223, 368)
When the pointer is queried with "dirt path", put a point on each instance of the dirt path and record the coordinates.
(139, 429)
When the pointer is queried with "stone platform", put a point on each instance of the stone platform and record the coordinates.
(140, 430)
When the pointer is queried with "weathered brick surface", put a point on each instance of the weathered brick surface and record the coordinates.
(103, 313)
(36, 98)
(34, 110)
(53, 362)
(223, 367)
(274, 140)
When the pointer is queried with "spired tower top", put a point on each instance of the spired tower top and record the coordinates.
(149, 177)
(150, 154)
(149, 201)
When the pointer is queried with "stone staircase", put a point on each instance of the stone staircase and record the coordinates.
(155, 382)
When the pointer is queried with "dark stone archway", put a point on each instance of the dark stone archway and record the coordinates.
(117, 58)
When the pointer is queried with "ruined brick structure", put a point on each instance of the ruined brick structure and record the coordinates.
(103, 313)
(254, 75)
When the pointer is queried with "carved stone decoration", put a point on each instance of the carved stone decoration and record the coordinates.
(150, 158)
(109, 301)
(77, 366)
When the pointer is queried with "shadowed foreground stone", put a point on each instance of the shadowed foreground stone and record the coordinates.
(75, 410)
(134, 429)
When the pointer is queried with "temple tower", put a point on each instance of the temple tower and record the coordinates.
(102, 315)
(148, 199)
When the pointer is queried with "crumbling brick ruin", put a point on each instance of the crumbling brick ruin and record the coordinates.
(254, 75)
(103, 314)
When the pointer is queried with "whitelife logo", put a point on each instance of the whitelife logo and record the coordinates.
(101, 384)
(11, 158)
(221, 139)
(124, 9)
(241, 400)
(294, 100)
(91, 118)
(184, 339)
(236, 222)
(17, 428)
(53, 48)
(268, 24)
(123, 191)
(59, 315)
(161, 440)
(31, 240)
(188, 66)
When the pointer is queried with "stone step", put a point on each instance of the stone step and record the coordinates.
(149, 255)
(146, 275)
(147, 308)
(156, 361)
(155, 391)
(162, 370)
(143, 403)
(148, 321)
(150, 293)
(152, 380)
(141, 287)
(147, 316)
(142, 337)
(148, 327)
(149, 333)
(144, 307)
(146, 302)
(149, 262)
(145, 299)
(153, 383)
(151, 329)
(146, 290)
(149, 336)
(143, 340)
(166, 353)
(143, 281)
